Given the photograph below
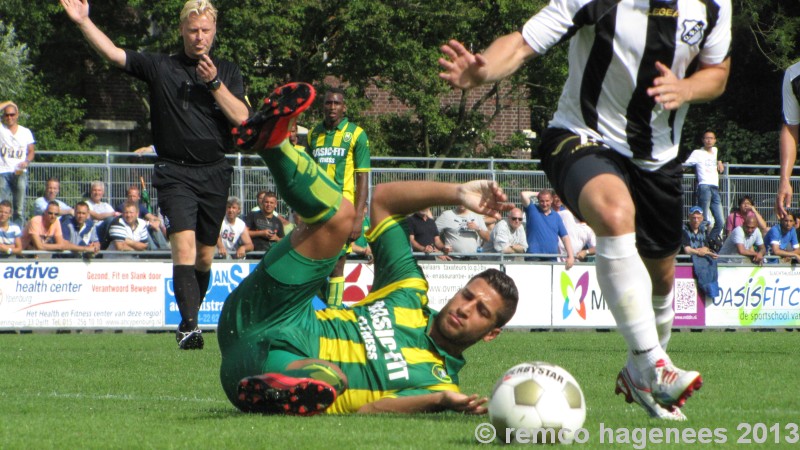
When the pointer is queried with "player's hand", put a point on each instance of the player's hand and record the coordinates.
(484, 197)
(77, 10)
(462, 69)
(468, 404)
(668, 90)
(206, 69)
(783, 201)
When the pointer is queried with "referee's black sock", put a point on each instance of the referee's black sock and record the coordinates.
(203, 278)
(187, 295)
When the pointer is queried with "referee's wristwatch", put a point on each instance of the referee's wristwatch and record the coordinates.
(214, 84)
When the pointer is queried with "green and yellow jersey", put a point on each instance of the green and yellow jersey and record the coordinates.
(341, 152)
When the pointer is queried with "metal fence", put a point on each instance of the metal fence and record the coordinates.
(76, 170)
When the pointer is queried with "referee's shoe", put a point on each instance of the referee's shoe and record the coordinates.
(270, 125)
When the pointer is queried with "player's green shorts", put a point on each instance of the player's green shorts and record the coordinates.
(268, 320)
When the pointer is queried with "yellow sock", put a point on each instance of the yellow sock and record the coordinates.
(335, 292)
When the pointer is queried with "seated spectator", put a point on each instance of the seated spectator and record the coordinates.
(79, 233)
(695, 241)
(781, 240)
(10, 232)
(581, 235)
(156, 231)
(508, 236)
(463, 231)
(51, 191)
(234, 239)
(128, 233)
(44, 232)
(543, 228)
(98, 209)
(265, 228)
(745, 241)
(424, 236)
(747, 208)
(259, 198)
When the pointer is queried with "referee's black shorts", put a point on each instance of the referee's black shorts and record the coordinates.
(657, 195)
(193, 197)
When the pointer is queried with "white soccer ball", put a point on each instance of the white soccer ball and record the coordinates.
(537, 396)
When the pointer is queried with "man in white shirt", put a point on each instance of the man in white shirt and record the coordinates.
(508, 236)
(98, 209)
(708, 167)
(15, 155)
(128, 233)
(463, 230)
(51, 190)
(745, 241)
(234, 239)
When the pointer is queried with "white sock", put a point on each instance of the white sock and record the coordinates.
(628, 291)
(662, 306)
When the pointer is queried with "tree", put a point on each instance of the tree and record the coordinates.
(14, 67)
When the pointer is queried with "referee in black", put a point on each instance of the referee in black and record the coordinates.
(195, 99)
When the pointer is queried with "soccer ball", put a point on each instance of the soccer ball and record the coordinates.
(537, 396)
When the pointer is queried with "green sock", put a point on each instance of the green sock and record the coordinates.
(319, 372)
(335, 292)
(308, 190)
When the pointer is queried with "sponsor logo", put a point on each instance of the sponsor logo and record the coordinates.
(574, 294)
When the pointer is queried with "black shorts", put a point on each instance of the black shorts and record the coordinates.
(193, 197)
(657, 195)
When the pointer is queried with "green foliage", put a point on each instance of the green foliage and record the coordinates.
(14, 66)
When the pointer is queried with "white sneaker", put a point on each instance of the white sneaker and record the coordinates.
(644, 398)
(672, 386)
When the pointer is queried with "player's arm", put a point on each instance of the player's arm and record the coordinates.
(234, 109)
(403, 198)
(435, 402)
(704, 85)
(788, 150)
(362, 188)
(465, 70)
(78, 12)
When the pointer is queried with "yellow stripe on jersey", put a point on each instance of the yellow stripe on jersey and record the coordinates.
(352, 399)
(409, 317)
(408, 283)
(323, 192)
(435, 387)
(419, 356)
(342, 350)
(381, 227)
(339, 314)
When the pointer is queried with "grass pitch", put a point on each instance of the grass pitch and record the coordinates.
(138, 391)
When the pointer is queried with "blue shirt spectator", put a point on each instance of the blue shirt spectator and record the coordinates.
(781, 240)
(544, 226)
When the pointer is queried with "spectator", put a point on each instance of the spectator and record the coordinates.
(580, 234)
(234, 239)
(14, 161)
(10, 233)
(265, 228)
(128, 233)
(696, 242)
(508, 236)
(544, 228)
(155, 230)
(708, 167)
(745, 240)
(51, 191)
(98, 209)
(747, 208)
(781, 240)
(44, 232)
(463, 231)
(259, 199)
(423, 235)
(79, 231)
(341, 148)
(293, 138)
(145, 150)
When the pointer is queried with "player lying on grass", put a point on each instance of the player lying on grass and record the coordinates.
(388, 353)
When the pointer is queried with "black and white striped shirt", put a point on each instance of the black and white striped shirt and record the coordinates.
(614, 45)
(791, 95)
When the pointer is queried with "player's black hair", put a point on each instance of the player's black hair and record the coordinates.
(505, 286)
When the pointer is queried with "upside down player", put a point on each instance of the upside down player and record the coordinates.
(390, 352)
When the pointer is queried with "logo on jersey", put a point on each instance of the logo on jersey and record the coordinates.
(692, 32)
(347, 137)
(438, 371)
